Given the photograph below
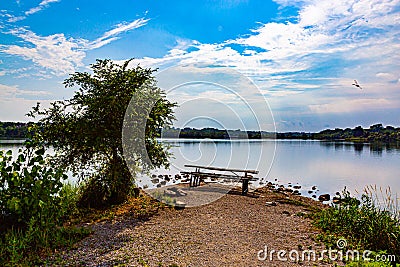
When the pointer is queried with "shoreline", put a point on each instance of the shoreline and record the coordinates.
(227, 232)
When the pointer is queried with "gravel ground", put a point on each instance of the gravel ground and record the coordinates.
(228, 232)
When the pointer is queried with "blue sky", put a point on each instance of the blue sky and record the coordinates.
(292, 63)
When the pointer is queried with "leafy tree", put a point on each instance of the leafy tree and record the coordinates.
(29, 190)
(86, 130)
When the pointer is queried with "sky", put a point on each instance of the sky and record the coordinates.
(285, 65)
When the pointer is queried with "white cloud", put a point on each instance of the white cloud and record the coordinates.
(15, 109)
(354, 105)
(42, 5)
(12, 92)
(7, 91)
(54, 52)
(310, 63)
(387, 76)
(46, 2)
(111, 35)
(326, 30)
(58, 53)
(15, 19)
(284, 3)
(210, 95)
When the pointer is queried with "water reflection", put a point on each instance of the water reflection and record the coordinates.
(376, 149)
(338, 146)
(358, 148)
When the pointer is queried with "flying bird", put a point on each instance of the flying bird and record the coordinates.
(356, 84)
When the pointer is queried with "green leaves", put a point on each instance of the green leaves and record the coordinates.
(86, 130)
(364, 224)
(27, 186)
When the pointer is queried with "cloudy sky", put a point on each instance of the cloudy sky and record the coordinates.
(290, 62)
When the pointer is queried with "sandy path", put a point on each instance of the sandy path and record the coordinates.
(228, 232)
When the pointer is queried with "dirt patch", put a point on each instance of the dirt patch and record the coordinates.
(228, 232)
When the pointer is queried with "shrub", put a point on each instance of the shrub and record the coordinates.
(34, 203)
(366, 224)
(29, 190)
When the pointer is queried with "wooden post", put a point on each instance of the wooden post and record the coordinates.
(196, 179)
(245, 184)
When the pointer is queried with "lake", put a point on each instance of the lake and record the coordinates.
(328, 165)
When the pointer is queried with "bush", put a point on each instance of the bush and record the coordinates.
(34, 203)
(365, 224)
(29, 190)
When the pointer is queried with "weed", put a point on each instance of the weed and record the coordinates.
(366, 224)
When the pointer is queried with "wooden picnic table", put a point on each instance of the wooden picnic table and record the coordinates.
(200, 175)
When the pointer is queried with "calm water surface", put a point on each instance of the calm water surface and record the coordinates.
(328, 165)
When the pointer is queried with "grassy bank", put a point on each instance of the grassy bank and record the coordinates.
(371, 223)
(25, 241)
(31, 245)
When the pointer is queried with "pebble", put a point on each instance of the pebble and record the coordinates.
(324, 197)
(270, 203)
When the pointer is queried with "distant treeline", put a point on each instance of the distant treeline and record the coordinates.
(375, 133)
(14, 130)
(230, 134)
(213, 133)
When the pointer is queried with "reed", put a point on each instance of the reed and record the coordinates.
(369, 223)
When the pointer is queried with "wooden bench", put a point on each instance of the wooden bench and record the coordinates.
(200, 174)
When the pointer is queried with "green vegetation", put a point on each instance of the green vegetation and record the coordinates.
(369, 264)
(34, 204)
(375, 133)
(170, 132)
(366, 225)
(86, 130)
(14, 130)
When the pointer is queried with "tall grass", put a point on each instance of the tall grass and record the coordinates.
(370, 223)
(25, 246)
(385, 200)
